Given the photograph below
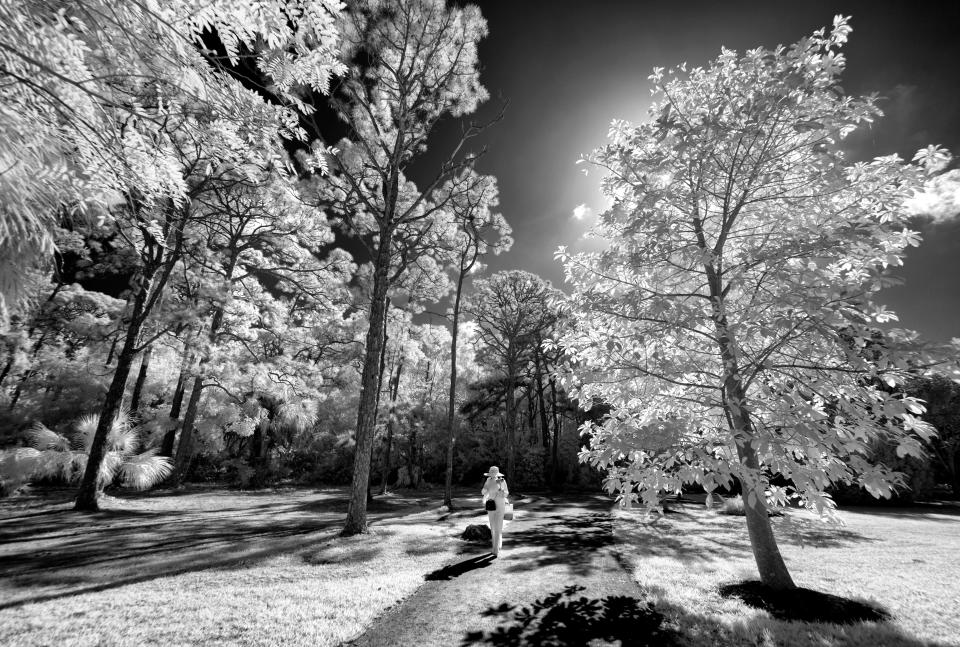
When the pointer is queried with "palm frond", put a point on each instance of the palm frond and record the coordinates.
(112, 461)
(53, 463)
(40, 437)
(85, 427)
(145, 470)
(123, 439)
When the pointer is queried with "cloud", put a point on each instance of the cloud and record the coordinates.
(940, 198)
(582, 212)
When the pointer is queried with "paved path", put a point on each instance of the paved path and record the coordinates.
(557, 581)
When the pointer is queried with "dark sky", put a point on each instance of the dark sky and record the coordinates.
(568, 67)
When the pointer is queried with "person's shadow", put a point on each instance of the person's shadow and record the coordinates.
(456, 570)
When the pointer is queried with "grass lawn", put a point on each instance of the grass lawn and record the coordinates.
(905, 561)
(209, 567)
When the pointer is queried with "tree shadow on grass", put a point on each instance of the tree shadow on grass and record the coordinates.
(805, 605)
(561, 619)
(48, 551)
(871, 630)
(696, 539)
(927, 512)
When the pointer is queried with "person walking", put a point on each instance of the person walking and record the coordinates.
(495, 492)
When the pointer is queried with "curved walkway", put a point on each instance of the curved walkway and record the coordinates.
(558, 581)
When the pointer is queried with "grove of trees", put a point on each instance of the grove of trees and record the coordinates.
(214, 265)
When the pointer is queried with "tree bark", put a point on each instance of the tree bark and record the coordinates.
(89, 487)
(412, 456)
(169, 438)
(356, 521)
(557, 429)
(956, 474)
(141, 379)
(37, 346)
(511, 423)
(391, 417)
(452, 397)
(113, 349)
(184, 448)
(773, 571)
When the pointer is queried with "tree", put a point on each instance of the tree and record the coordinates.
(941, 397)
(513, 310)
(259, 240)
(91, 88)
(414, 62)
(744, 252)
(122, 111)
(483, 231)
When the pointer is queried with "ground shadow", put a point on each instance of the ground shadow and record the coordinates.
(698, 538)
(561, 539)
(939, 513)
(48, 551)
(456, 570)
(561, 619)
(805, 605)
(695, 628)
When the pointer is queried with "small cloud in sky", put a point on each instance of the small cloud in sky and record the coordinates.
(940, 198)
(582, 212)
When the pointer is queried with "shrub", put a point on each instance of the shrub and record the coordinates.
(64, 456)
(734, 507)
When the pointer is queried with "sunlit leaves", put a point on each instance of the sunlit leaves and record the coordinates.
(94, 92)
(743, 257)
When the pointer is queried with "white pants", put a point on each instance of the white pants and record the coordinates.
(496, 526)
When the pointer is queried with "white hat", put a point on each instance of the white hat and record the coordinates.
(494, 472)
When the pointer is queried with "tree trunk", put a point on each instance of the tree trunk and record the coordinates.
(169, 438)
(141, 379)
(37, 346)
(412, 456)
(89, 487)
(542, 408)
(383, 366)
(6, 369)
(184, 449)
(356, 521)
(773, 571)
(113, 348)
(956, 474)
(452, 397)
(770, 564)
(510, 424)
(557, 429)
(391, 417)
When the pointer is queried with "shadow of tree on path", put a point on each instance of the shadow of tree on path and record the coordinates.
(569, 540)
(560, 619)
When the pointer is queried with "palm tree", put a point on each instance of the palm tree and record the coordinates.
(54, 455)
